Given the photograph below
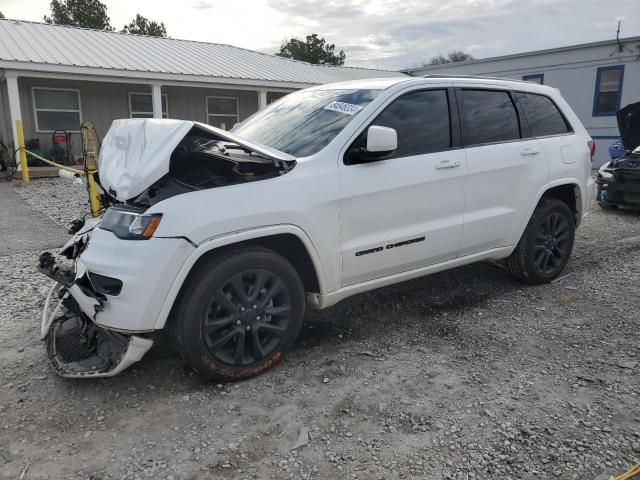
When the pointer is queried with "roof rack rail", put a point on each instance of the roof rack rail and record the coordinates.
(478, 77)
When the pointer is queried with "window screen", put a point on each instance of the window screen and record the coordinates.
(141, 105)
(57, 109)
(222, 112)
(421, 120)
(608, 90)
(489, 116)
(543, 116)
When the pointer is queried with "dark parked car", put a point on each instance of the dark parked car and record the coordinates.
(619, 180)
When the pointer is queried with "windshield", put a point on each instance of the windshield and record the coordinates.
(303, 123)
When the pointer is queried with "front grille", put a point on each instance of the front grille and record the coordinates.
(73, 348)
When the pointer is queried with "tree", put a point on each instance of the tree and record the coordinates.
(2, 15)
(452, 57)
(313, 50)
(79, 13)
(143, 26)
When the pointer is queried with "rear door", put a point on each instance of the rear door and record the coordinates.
(505, 169)
(406, 211)
(554, 133)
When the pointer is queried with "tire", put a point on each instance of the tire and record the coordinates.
(238, 314)
(546, 244)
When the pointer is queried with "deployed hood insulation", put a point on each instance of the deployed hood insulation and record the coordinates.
(136, 153)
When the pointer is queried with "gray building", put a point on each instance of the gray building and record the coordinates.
(55, 77)
(595, 78)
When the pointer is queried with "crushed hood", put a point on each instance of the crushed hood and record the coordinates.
(136, 153)
(629, 125)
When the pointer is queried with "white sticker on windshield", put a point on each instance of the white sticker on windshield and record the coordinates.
(342, 107)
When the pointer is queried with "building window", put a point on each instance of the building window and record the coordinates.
(141, 105)
(222, 112)
(56, 109)
(273, 96)
(534, 78)
(606, 100)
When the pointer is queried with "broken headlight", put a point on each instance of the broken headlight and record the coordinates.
(130, 225)
(604, 174)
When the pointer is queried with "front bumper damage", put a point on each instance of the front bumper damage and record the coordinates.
(619, 183)
(77, 347)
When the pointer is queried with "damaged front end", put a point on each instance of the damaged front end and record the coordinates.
(146, 161)
(110, 277)
(618, 181)
(77, 347)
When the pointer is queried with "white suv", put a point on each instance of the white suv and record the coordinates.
(223, 238)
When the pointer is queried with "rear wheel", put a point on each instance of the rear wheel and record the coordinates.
(239, 314)
(546, 244)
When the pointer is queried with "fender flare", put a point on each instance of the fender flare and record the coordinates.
(229, 239)
(574, 182)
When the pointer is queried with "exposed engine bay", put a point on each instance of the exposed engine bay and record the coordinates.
(144, 161)
(619, 180)
(202, 161)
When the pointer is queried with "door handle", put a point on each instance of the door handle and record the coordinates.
(447, 164)
(529, 152)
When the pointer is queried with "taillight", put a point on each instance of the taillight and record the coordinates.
(592, 148)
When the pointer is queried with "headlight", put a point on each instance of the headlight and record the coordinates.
(608, 176)
(130, 225)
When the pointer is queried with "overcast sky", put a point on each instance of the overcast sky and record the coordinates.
(389, 34)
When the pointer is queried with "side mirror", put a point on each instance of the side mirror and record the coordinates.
(379, 144)
(381, 140)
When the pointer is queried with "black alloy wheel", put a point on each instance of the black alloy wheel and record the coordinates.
(551, 243)
(238, 313)
(546, 243)
(247, 317)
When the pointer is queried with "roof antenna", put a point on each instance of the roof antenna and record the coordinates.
(620, 47)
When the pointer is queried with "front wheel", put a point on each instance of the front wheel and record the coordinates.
(238, 314)
(546, 244)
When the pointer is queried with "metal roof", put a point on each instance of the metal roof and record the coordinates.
(37, 46)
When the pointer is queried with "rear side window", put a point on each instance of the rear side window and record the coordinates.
(543, 116)
(488, 116)
(421, 120)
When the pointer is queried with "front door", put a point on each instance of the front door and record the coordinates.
(406, 211)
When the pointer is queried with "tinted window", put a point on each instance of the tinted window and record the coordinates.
(489, 116)
(543, 116)
(303, 123)
(421, 120)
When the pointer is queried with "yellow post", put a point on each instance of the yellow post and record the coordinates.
(21, 152)
(94, 202)
(90, 152)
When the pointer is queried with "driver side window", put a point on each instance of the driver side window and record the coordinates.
(421, 120)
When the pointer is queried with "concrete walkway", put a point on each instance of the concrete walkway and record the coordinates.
(23, 229)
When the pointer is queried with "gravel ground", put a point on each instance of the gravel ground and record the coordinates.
(464, 375)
